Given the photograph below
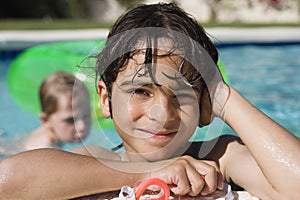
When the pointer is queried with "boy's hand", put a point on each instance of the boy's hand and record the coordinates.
(219, 98)
(188, 176)
(213, 98)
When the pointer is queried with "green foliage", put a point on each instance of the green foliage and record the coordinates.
(50, 24)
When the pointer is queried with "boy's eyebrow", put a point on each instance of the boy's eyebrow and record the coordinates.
(179, 87)
(139, 82)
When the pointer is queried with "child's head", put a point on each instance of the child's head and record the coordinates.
(150, 70)
(167, 18)
(65, 107)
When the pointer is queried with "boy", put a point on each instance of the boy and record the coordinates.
(158, 84)
(65, 112)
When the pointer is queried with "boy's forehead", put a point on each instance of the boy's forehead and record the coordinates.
(164, 68)
(159, 56)
(159, 46)
(163, 71)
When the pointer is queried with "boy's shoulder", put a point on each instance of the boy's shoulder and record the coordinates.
(212, 149)
(97, 152)
(38, 138)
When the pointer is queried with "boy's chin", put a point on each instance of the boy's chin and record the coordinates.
(158, 155)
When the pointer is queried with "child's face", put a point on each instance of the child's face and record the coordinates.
(154, 116)
(70, 123)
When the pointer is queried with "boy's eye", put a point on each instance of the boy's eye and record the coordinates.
(140, 93)
(69, 120)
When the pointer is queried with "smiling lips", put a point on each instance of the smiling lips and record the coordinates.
(162, 135)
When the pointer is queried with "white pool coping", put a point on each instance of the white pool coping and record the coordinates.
(12, 40)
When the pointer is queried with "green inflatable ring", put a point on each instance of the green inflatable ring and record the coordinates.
(223, 71)
(33, 65)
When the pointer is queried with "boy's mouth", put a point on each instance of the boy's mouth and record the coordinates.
(161, 134)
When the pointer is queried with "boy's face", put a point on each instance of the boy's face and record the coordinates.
(70, 123)
(154, 116)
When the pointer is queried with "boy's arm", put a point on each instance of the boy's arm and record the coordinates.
(271, 158)
(97, 152)
(56, 174)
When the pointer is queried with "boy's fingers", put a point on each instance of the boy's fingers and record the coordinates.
(210, 181)
(220, 181)
(196, 182)
(180, 183)
(186, 177)
(211, 172)
(188, 181)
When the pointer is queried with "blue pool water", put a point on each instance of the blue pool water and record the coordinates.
(267, 75)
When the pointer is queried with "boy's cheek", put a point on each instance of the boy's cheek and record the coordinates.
(135, 112)
(190, 114)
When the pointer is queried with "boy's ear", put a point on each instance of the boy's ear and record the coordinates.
(103, 98)
(43, 118)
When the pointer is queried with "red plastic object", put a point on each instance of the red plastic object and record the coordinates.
(153, 181)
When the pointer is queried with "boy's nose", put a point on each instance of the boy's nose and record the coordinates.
(162, 110)
(158, 113)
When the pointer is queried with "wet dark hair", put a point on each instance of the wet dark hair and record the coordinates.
(164, 20)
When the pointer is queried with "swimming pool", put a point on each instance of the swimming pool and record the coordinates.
(267, 75)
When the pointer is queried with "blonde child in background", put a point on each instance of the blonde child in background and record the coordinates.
(65, 115)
